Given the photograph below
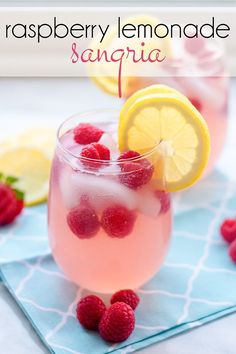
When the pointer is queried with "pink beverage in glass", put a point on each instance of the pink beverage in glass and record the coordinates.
(207, 88)
(105, 234)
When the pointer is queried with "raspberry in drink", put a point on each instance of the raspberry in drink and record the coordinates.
(109, 226)
(109, 205)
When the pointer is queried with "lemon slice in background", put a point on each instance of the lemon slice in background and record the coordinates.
(28, 156)
(169, 123)
(40, 137)
(106, 75)
(32, 167)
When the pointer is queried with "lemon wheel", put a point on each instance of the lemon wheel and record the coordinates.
(163, 120)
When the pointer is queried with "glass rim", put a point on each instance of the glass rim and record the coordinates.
(67, 152)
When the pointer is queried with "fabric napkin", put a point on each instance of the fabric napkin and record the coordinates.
(27, 237)
(195, 285)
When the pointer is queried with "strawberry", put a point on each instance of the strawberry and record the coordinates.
(11, 200)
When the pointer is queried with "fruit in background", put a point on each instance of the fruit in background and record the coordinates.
(28, 157)
(197, 104)
(102, 73)
(42, 138)
(32, 167)
(11, 200)
(228, 230)
(232, 251)
(228, 233)
(195, 45)
(160, 119)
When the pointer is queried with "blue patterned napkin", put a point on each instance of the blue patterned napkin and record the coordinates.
(195, 285)
(27, 237)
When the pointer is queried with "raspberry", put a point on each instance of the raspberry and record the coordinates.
(103, 151)
(83, 221)
(164, 198)
(89, 311)
(195, 45)
(127, 296)
(95, 151)
(90, 152)
(118, 221)
(117, 323)
(228, 230)
(196, 103)
(10, 205)
(232, 251)
(135, 174)
(86, 133)
(128, 155)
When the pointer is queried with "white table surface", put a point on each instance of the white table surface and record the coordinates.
(30, 102)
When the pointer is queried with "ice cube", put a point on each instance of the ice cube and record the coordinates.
(148, 203)
(69, 189)
(108, 141)
(109, 169)
(102, 191)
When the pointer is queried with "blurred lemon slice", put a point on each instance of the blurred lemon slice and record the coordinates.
(168, 122)
(42, 138)
(28, 156)
(106, 75)
(32, 167)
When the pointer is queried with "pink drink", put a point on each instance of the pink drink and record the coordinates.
(207, 88)
(104, 263)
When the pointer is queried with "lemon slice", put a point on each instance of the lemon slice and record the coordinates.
(106, 75)
(40, 137)
(170, 124)
(150, 90)
(32, 167)
(155, 89)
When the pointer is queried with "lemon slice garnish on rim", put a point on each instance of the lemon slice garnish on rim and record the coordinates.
(162, 119)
